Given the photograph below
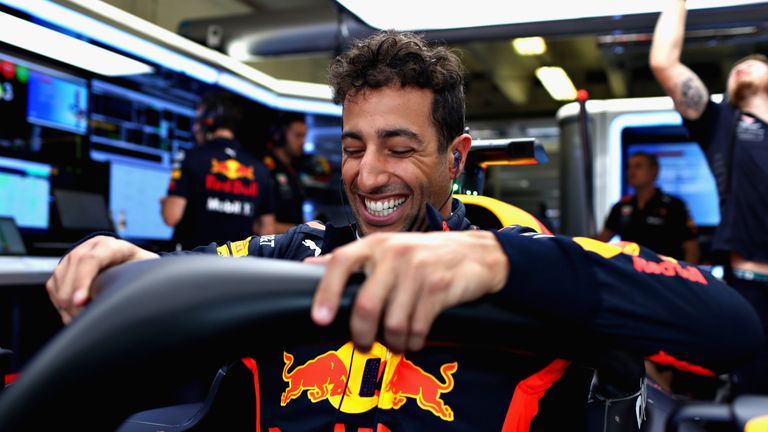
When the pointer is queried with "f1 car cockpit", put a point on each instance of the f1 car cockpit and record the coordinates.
(160, 320)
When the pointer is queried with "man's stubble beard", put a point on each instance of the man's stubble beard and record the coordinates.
(745, 90)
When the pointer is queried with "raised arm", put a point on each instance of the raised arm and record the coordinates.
(679, 82)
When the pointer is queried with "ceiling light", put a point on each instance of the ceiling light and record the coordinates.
(557, 82)
(422, 15)
(255, 92)
(177, 53)
(111, 36)
(44, 41)
(529, 46)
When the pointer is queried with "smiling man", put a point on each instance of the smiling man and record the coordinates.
(391, 153)
(403, 143)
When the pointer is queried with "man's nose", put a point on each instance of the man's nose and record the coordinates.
(373, 172)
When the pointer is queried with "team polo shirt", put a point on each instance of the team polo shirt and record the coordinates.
(662, 225)
(744, 205)
(288, 191)
(226, 190)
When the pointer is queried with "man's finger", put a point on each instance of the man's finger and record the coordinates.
(399, 313)
(65, 282)
(77, 285)
(344, 262)
(322, 259)
(369, 303)
(421, 321)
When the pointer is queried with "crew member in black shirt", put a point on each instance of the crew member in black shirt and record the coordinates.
(217, 190)
(733, 135)
(651, 217)
(284, 161)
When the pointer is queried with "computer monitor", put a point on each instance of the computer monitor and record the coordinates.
(135, 190)
(43, 111)
(57, 101)
(25, 193)
(133, 126)
(82, 211)
(683, 169)
(11, 242)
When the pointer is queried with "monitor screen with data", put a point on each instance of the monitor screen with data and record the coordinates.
(25, 191)
(135, 190)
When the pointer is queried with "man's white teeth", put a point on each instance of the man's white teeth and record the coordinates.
(384, 207)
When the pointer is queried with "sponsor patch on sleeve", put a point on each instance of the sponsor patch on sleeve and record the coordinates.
(234, 249)
(316, 225)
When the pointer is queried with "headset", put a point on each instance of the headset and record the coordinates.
(345, 204)
(456, 167)
(456, 163)
(280, 126)
(277, 135)
(218, 111)
(210, 119)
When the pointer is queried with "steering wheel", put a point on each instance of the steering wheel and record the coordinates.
(153, 316)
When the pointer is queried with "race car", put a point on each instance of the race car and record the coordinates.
(158, 321)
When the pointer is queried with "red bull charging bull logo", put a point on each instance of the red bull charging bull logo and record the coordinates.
(376, 379)
(323, 377)
(232, 169)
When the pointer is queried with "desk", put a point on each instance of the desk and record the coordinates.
(26, 270)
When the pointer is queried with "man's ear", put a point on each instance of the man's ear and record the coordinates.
(457, 152)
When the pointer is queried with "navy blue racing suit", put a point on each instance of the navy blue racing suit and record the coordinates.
(623, 297)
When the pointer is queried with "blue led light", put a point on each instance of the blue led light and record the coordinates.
(106, 34)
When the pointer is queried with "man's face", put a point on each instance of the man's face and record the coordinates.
(295, 135)
(640, 172)
(747, 79)
(391, 165)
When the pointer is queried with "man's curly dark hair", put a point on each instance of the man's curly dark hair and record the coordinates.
(400, 58)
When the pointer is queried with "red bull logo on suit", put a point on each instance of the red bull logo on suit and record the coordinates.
(376, 379)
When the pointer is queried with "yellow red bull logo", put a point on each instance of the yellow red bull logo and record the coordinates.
(322, 377)
(232, 169)
(376, 379)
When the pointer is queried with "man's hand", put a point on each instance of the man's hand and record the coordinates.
(411, 278)
(69, 286)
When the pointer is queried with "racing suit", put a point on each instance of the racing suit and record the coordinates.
(626, 298)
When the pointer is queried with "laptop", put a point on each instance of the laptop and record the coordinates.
(11, 242)
(82, 211)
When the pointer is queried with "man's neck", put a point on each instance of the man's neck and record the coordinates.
(221, 133)
(757, 105)
(282, 154)
(644, 194)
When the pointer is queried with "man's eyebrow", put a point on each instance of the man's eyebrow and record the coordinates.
(385, 134)
(399, 132)
(351, 134)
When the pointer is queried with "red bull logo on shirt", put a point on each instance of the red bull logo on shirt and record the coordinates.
(376, 379)
(232, 169)
(235, 172)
